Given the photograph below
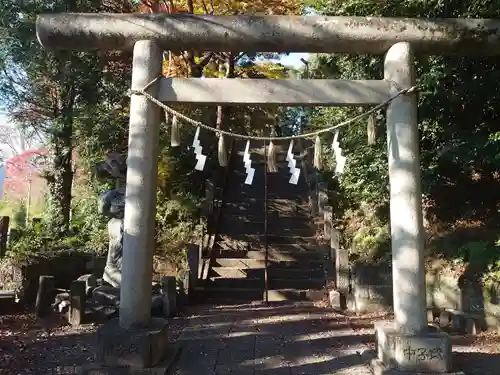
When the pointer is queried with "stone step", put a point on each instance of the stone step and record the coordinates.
(236, 273)
(228, 295)
(228, 229)
(272, 240)
(296, 248)
(7, 294)
(273, 255)
(274, 182)
(236, 193)
(259, 273)
(257, 213)
(8, 302)
(277, 295)
(245, 263)
(236, 283)
(272, 204)
(244, 247)
(212, 292)
(239, 222)
(281, 177)
(299, 283)
(273, 217)
(274, 283)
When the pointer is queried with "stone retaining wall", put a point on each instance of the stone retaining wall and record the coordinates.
(372, 290)
(64, 267)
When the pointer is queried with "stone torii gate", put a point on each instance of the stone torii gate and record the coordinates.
(405, 343)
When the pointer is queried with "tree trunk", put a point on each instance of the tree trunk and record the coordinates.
(60, 180)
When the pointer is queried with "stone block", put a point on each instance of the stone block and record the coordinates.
(45, 295)
(367, 305)
(193, 260)
(90, 283)
(361, 291)
(368, 274)
(322, 197)
(382, 293)
(457, 322)
(351, 303)
(183, 288)
(471, 327)
(430, 316)
(444, 318)
(162, 368)
(313, 204)
(372, 298)
(425, 352)
(138, 347)
(169, 293)
(106, 295)
(78, 296)
(327, 222)
(342, 269)
(379, 368)
(337, 300)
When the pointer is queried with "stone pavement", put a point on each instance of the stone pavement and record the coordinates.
(286, 339)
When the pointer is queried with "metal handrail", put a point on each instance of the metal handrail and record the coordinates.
(266, 244)
(220, 187)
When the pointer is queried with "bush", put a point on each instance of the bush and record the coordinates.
(176, 227)
(37, 242)
(371, 243)
(483, 259)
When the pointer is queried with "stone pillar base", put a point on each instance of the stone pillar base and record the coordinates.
(135, 349)
(381, 369)
(428, 352)
(97, 369)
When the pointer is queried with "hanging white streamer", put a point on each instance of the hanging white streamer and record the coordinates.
(340, 159)
(248, 165)
(246, 154)
(289, 154)
(201, 159)
(292, 165)
(294, 178)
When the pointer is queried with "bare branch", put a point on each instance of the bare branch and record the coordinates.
(206, 59)
(205, 7)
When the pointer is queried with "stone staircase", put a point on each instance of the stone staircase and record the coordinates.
(296, 266)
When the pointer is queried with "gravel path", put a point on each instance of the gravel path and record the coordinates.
(219, 340)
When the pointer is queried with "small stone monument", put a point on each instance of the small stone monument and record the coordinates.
(112, 205)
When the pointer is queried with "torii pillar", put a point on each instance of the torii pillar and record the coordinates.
(137, 340)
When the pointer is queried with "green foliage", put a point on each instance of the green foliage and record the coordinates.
(367, 236)
(15, 209)
(176, 224)
(43, 91)
(88, 233)
(19, 215)
(483, 258)
(36, 242)
(458, 123)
